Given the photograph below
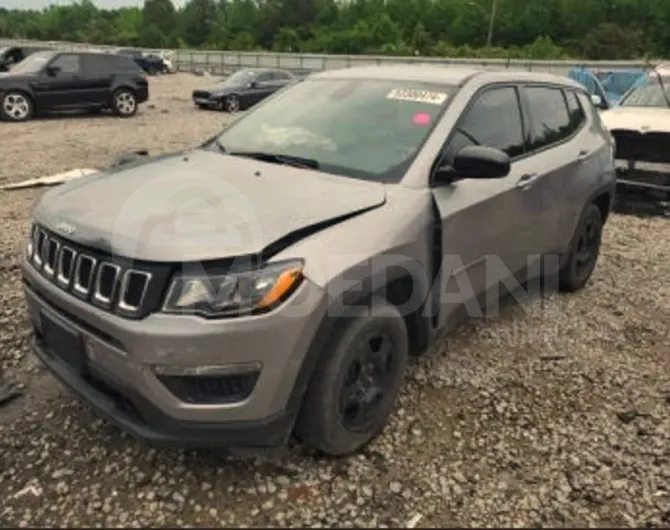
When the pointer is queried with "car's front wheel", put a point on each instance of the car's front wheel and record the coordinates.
(232, 103)
(356, 384)
(124, 103)
(584, 251)
(16, 106)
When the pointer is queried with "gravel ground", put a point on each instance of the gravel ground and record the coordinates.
(555, 413)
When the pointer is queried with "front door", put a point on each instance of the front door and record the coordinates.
(484, 222)
(62, 85)
(263, 88)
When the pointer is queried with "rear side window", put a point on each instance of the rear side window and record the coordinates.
(107, 64)
(96, 64)
(494, 120)
(590, 108)
(550, 120)
(575, 110)
(126, 64)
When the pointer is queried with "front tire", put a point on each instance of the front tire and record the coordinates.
(356, 384)
(124, 103)
(584, 251)
(232, 103)
(16, 106)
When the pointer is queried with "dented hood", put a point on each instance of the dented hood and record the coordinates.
(639, 119)
(200, 205)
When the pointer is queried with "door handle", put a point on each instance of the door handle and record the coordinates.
(583, 155)
(526, 181)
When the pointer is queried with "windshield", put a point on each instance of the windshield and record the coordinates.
(361, 128)
(648, 94)
(33, 63)
(239, 78)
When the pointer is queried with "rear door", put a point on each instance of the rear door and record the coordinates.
(97, 77)
(484, 222)
(556, 119)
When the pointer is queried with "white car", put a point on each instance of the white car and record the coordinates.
(640, 125)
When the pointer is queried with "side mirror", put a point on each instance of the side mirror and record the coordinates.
(598, 102)
(52, 71)
(252, 84)
(476, 162)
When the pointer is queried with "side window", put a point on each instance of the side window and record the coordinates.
(494, 120)
(67, 63)
(264, 77)
(95, 64)
(282, 76)
(549, 116)
(575, 110)
(586, 102)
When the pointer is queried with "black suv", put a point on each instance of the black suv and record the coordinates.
(54, 80)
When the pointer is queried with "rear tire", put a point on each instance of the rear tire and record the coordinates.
(16, 106)
(584, 251)
(355, 386)
(124, 103)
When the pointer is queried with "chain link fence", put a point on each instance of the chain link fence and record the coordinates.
(225, 62)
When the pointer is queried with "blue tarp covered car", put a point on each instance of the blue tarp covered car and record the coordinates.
(609, 86)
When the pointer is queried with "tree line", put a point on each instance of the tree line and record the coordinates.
(532, 29)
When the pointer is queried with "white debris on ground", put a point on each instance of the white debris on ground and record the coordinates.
(527, 420)
(50, 180)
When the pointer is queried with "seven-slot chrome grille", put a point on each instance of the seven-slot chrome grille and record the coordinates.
(101, 280)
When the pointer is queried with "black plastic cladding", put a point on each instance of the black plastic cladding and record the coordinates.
(153, 299)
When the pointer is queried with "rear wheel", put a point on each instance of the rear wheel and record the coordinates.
(584, 251)
(16, 106)
(124, 103)
(356, 385)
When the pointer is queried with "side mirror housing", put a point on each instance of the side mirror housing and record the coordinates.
(598, 102)
(252, 84)
(52, 71)
(476, 162)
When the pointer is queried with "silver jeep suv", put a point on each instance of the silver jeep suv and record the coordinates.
(275, 279)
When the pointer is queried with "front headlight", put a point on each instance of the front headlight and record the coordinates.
(233, 293)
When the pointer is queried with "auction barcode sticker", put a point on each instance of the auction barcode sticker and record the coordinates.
(418, 96)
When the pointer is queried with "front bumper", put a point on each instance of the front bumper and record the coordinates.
(205, 102)
(119, 372)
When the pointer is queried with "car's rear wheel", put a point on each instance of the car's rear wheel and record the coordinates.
(584, 251)
(17, 106)
(232, 103)
(124, 103)
(356, 385)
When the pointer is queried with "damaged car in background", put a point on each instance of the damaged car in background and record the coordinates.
(640, 125)
(243, 89)
(276, 279)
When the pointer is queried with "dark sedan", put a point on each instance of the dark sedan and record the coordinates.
(243, 89)
(151, 64)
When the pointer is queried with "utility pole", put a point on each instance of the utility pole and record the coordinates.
(492, 17)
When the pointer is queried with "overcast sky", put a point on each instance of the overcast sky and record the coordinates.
(39, 4)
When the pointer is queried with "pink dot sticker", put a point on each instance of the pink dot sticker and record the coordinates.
(421, 118)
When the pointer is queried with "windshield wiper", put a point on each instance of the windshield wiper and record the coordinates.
(277, 158)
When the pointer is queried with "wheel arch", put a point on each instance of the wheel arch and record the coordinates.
(395, 284)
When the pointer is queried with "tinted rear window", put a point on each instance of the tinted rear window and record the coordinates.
(549, 116)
